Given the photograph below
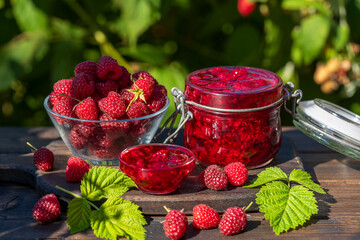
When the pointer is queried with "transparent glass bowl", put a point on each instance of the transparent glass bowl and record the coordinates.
(101, 142)
(157, 168)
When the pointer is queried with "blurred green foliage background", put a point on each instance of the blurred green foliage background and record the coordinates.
(42, 41)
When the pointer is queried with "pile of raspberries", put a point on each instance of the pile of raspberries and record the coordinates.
(106, 91)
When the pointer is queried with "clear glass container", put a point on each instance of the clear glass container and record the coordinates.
(236, 115)
(331, 125)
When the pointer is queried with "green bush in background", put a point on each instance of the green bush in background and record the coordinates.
(301, 40)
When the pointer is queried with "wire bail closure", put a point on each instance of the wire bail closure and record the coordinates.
(294, 97)
(186, 115)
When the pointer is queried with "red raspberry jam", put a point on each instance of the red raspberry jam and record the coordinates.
(220, 137)
(157, 168)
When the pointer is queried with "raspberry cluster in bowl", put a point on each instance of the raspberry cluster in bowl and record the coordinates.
(103, 109)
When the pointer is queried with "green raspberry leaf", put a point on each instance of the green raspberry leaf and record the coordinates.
(103, 182)
(304, 178)
(286, 208)
(268, 175)
(118, 218)
(78, 215)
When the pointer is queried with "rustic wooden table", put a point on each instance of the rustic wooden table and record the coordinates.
(338, 217)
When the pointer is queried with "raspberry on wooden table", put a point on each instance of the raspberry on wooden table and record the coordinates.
(175, 224)
(43, 158)
(233, 221)
(76, 169)
(215, 178)
(46, 209)
(205, 217)
(236, 173)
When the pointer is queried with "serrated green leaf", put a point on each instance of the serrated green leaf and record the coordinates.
(104, 182)
(286, 208)
(304, 178)
(118, 217)
(78, 215)
(312, 36)
(268, 175)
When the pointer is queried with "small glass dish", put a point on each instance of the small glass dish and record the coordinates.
(157, 168)
(101, 142)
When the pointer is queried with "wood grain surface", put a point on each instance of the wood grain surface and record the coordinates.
(338, 217)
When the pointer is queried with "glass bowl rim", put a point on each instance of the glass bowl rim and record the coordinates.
(162, 110)
(187, 151)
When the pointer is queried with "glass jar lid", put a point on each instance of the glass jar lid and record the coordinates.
(331, 125)
(233, 87)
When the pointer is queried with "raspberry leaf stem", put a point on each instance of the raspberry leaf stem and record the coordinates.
(248, 206)
(76, 196)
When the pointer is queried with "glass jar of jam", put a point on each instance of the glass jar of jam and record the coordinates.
(235, 115)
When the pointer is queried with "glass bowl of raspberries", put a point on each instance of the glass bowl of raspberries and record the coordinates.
(104, 109)
(157, 168)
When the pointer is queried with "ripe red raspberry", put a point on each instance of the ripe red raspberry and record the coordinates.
(157, 100)
(46, 209)
(137, 109)
(88, 67)
(175, 224)
(205, 217)
(233, 221)
(125, 79)
(245, 7)
(215, 178)
(65, 108)
(114, 128)
(126, 95)
(83, 86)
(87, 109)
(113, 105)
(105, 152)
(236, 173)
(76, 169)
(103, 88)
(43, 158)
(100, 138)
(61, 87)
(108, 69)
(144, 84)
(78, 141)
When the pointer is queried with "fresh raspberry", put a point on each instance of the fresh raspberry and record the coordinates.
(236, 173)
(201, 178)
(215, 178)
(54, 98)
(43, 158)
(87, 109)
(76, 169)
(83, 86)
(144, 84)
(77, 140)
(114, 128)
(65, 108)
(126, 95)
(157, 100)
(161, 88)
(205, 217)
(86, 130)
(108, 69)
(88, 67)
(233, 221)
(105, 152)
(175, 224)
(61, 87)
(113, 105)
(96, 96)
(103, 88)
(245, 7)
(100, 138)
(46, 209)
(137, 109)
(125, 79)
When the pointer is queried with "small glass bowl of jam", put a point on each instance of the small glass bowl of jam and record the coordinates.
(157, 168)
(236, 115)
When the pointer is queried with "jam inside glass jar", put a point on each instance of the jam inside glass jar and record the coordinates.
(236, 115)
